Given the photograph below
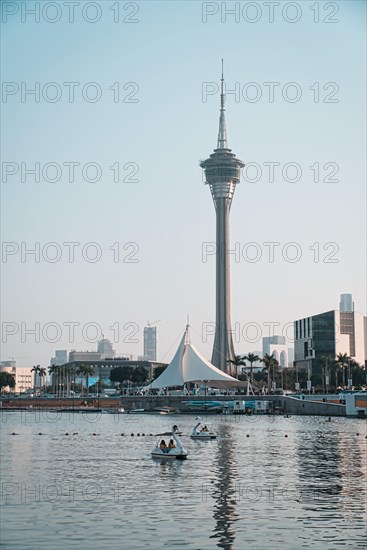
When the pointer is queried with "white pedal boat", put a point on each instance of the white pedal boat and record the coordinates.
(202, 432)
(162, 449)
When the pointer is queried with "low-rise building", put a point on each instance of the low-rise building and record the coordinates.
(84, 356)
(23, 376)
(102, 368)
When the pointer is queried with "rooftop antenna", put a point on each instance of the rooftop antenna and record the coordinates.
(222, 87)
(222, 134)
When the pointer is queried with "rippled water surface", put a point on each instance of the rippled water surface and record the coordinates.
(266, 483)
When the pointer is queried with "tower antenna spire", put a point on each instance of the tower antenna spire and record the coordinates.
(222, 83)
(222, 134)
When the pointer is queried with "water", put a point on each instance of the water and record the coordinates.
(265, 491)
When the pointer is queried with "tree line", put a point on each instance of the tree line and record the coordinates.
(328, 372)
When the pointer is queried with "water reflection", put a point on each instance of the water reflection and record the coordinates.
(319, 447)
(292, 483)
(331, 467)
(224, 491)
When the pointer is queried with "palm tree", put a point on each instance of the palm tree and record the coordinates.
(237, 362)
(53, 370)
(270, 363)
(342, 360)
(35, 369)
(80, 372)
(251, 358)
(68, 373)
(42, 373)
(330, 364)
(357, 372)
(86, 371)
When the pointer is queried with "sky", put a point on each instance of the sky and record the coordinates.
(134, 86)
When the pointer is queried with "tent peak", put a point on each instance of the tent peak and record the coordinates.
(187, 332)
(189, 365)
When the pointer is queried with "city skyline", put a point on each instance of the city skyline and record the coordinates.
(164, 219)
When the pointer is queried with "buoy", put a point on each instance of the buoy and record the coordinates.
(39, 433)
(142, 434)
(13, 433)
(138, 435)
(285, 435)
(66, 433)
(357, 433)
(122, 434)
(94, 434)
(132, 435)
(247, 435)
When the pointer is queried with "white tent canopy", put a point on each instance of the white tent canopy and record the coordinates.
(188, 365)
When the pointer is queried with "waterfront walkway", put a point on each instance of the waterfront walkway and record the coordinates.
(279, 404)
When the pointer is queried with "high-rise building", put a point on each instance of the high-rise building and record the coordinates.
(346, 303)
(222, 173)
(326, 335)
(61, 357)
(105, 348)
(150, 343)
(276, 346)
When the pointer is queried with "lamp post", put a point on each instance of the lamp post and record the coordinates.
(350, 381)
(205, 406)
(309, 385)
(73, 386)
(98, 385)
(344, 382)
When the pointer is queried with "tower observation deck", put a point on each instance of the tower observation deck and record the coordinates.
(222, 173)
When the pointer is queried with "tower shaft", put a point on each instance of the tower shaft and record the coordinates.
(223, 351)
(222, 173)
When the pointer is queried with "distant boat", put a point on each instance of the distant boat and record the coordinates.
(119, 410)
(166, 410)
(202, 432)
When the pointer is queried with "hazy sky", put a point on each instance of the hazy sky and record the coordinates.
(118, 93)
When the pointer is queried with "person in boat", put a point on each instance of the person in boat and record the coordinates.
(205, 429)
(171, 444)
(163, 447)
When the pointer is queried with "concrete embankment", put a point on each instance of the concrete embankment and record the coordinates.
(279, 404)
(294, 405)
